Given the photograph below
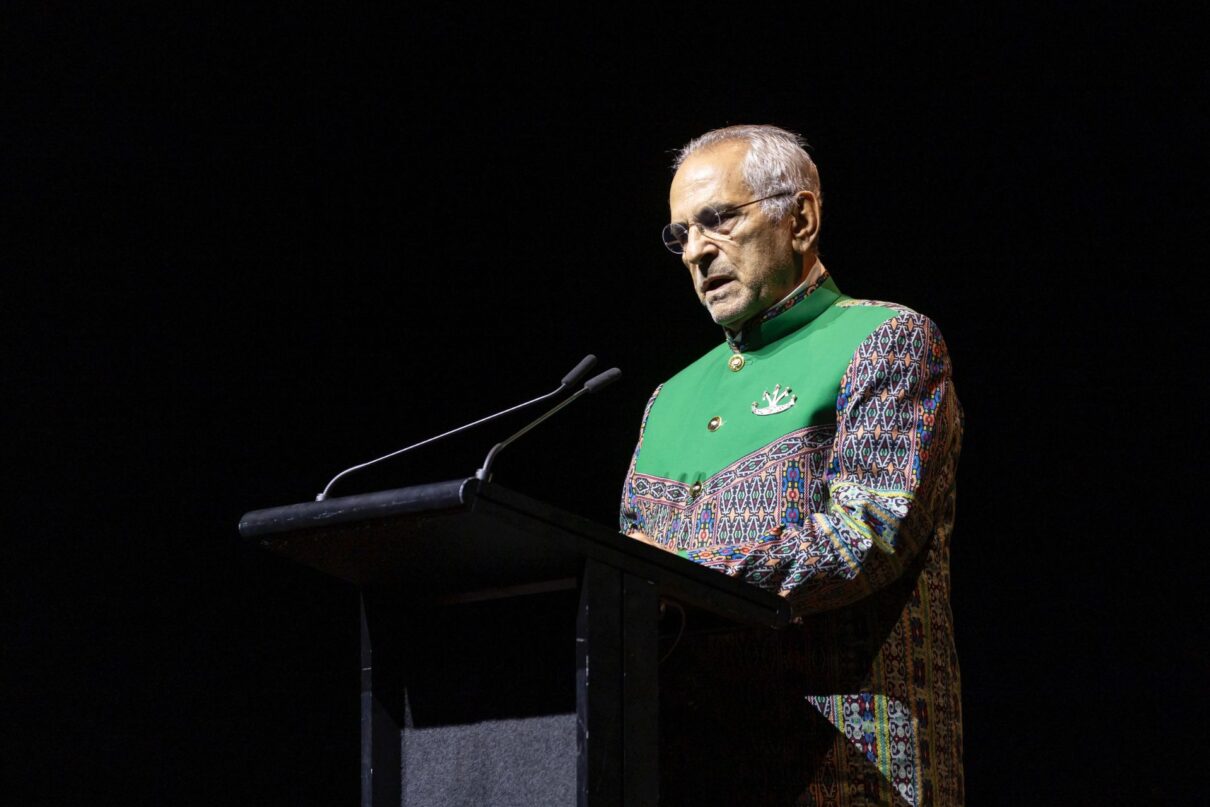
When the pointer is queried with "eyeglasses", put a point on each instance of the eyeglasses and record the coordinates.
(714, 224)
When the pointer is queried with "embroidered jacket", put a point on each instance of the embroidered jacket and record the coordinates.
(814, 455)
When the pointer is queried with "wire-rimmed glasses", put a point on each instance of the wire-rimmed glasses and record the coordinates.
(714, 224)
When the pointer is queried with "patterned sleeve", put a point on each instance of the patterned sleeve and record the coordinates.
(898, 431)
(627, 517)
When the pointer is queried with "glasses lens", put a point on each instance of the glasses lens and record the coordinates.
(711, 221)
(675, 236)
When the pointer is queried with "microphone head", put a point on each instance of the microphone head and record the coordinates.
(579, 371)
(603, 379)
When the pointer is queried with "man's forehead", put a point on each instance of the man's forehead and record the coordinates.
(708, 177)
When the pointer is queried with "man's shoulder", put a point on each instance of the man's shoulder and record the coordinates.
(904, 336)
(896, 317)
(854, 320)
(896, 308)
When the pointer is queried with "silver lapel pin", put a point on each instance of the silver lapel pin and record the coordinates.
(776, 402)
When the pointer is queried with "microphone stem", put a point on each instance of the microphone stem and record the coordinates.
(324, 495)
(483, 472)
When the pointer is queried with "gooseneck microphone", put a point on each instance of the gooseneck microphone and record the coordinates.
(591, 385)
(572, 378)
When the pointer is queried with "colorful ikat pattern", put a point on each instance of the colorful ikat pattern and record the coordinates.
(833, 517)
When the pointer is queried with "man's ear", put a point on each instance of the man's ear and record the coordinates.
(805, 217)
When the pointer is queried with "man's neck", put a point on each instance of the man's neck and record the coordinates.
(813, 275)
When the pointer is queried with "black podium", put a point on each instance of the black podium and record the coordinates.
(509, 649)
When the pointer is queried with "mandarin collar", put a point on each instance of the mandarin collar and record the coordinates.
(796, 311)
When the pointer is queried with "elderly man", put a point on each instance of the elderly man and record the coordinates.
(812, 453)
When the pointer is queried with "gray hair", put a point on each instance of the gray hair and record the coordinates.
(776, 162)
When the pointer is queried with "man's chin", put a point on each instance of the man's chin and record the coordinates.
(728, 316)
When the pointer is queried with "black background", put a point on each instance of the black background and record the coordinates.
(248, 248)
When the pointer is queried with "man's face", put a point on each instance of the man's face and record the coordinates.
(756, 265)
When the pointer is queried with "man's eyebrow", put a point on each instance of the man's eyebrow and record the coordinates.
(716, 207)
(709, 206)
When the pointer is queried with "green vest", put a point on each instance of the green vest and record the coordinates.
(703, 420)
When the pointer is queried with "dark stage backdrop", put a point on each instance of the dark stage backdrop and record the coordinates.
(251, 248)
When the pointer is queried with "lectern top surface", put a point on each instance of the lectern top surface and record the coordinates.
(467, 536)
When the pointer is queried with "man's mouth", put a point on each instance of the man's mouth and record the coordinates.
(712, 283)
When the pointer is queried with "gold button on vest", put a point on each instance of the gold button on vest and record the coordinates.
(714, 423)
(736, 362)
(695, 489)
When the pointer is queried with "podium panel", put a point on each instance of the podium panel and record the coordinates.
(508, 649)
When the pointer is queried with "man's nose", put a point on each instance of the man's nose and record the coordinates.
(699, 250)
